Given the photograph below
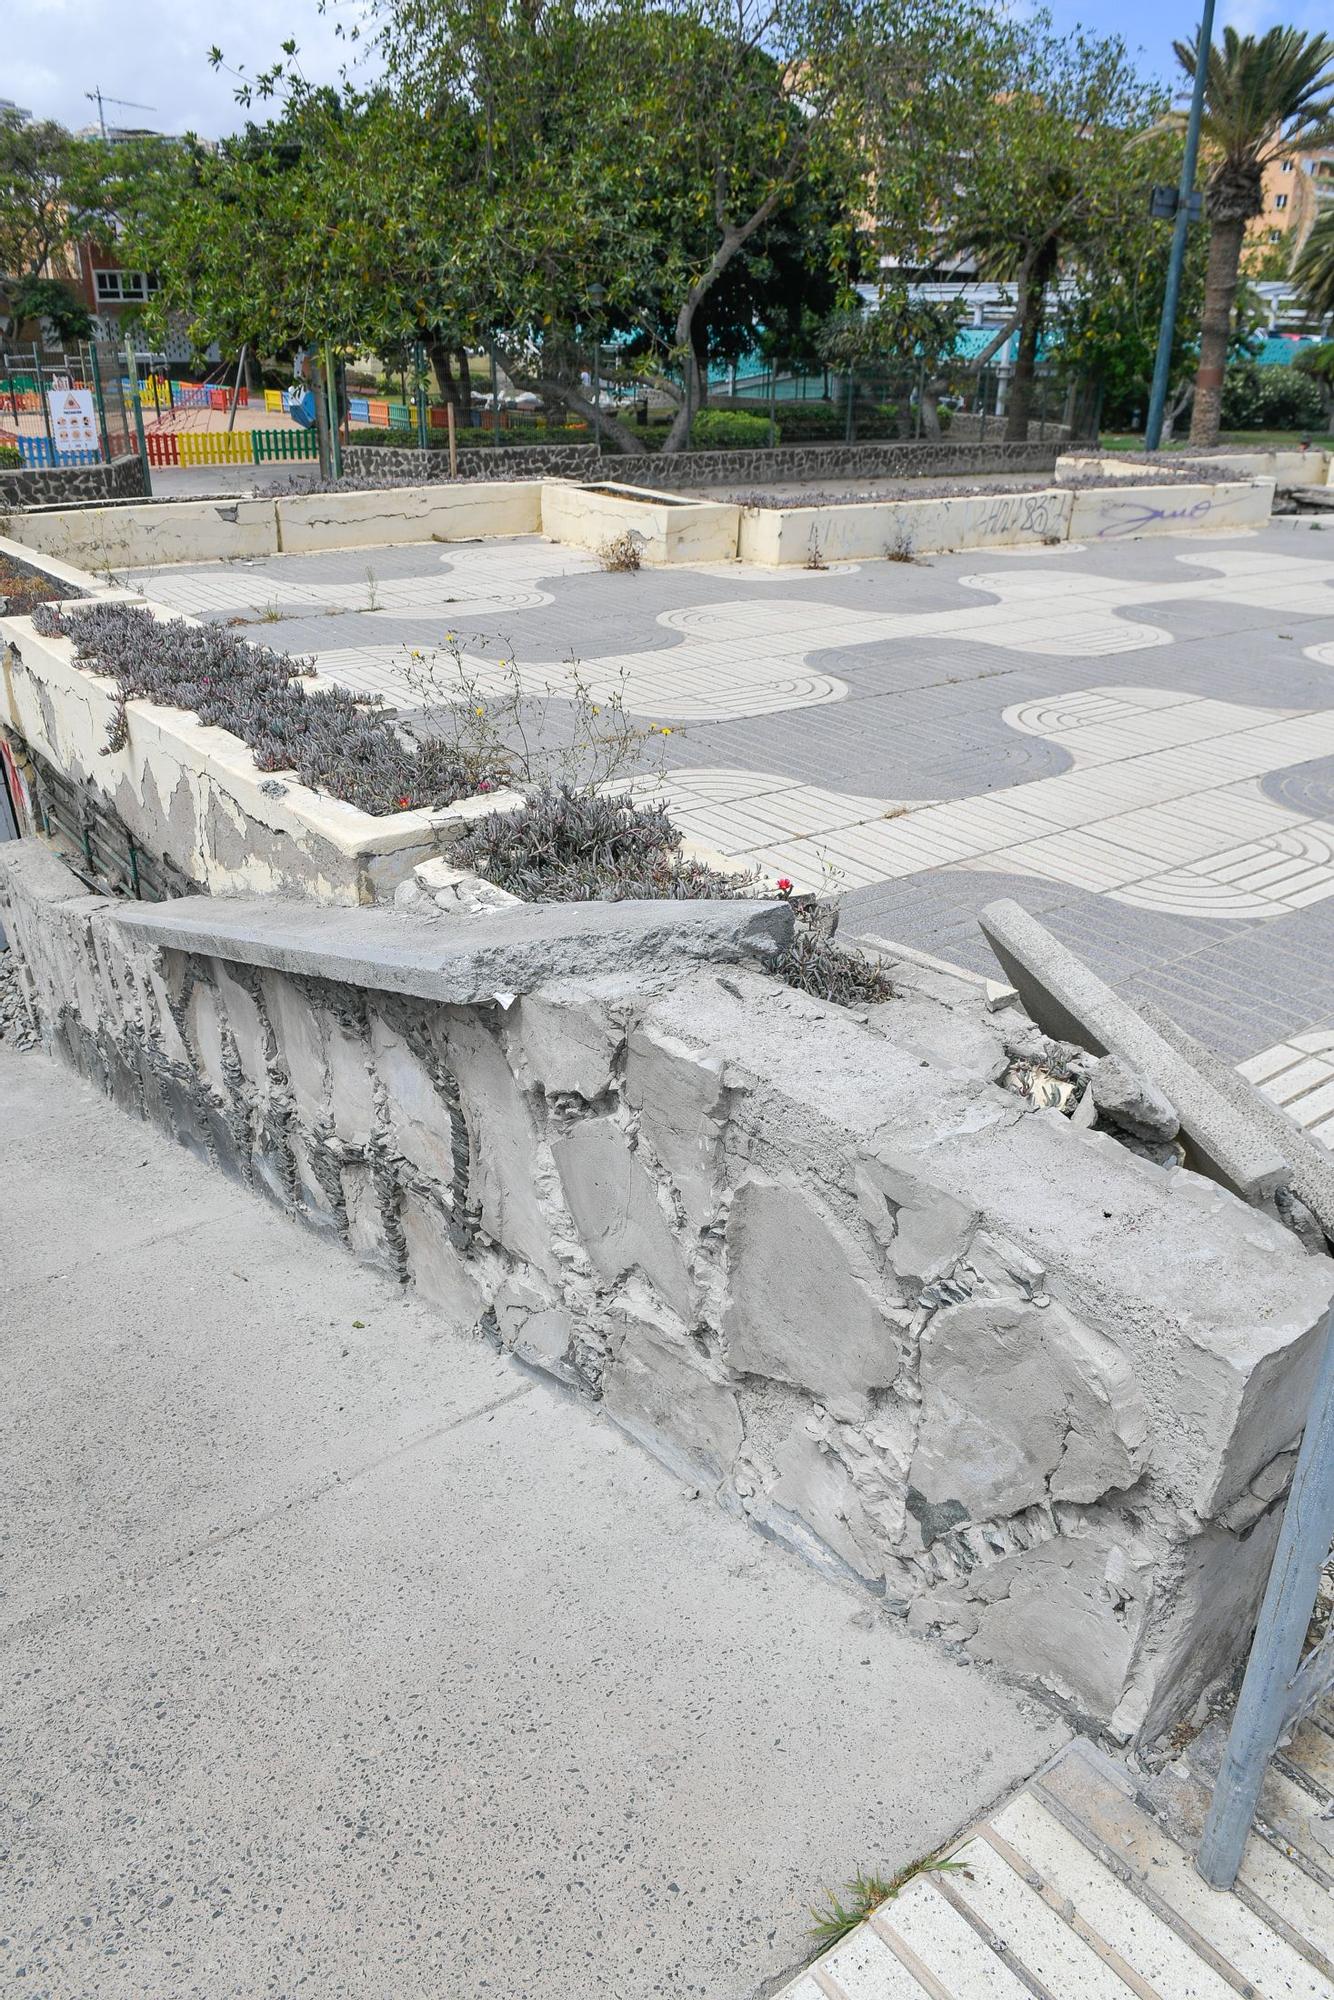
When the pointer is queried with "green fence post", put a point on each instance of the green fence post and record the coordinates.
(138, 418)
(419, 358)
(43, 405)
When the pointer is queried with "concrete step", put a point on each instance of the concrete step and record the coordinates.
(1074, 1891)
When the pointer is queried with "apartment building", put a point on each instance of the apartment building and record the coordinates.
(1296, 191)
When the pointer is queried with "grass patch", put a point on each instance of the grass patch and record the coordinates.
(842, 1912)
(1227, 441)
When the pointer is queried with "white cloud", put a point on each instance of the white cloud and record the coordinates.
(58, 50)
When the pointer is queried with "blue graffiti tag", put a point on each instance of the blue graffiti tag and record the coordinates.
(1138, 514)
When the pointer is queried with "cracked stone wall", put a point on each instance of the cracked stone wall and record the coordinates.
(45, 486)
(1034, 1392)
(915, 458)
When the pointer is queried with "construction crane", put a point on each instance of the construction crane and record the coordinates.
(126, 104)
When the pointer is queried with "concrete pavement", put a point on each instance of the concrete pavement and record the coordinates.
(342, 1658)
(1134, 738)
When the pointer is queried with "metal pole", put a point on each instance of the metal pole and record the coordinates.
(95, 366)
(236, 387)
(331, 398)
(137, 406)
(1153, 430)
(597, 391)
(1264, 1705)
(419, 362)
(43, 405)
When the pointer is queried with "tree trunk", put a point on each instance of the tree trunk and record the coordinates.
(618, 435)
(1220, 291)
(465, 385)
(931, 392)
(1026, 360)
(439, 356)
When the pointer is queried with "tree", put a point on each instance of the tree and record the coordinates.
(919, 335)
(641, 151)
(1313, 272)
(1265, 98)
(50, 196)
(1045, 156)
(52, 301)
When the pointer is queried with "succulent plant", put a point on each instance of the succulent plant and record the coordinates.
(333, 741)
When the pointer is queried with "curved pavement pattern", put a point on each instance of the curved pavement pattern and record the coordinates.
(926, 736)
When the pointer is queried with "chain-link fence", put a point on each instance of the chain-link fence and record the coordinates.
(779, 400)
(65, 408)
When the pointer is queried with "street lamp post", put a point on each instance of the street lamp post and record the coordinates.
(596, 294)
(1153, 430)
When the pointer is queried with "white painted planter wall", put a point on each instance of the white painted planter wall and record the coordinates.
(196, 796)
(671, 530)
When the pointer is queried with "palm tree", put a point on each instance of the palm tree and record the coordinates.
(1264, 98)
(1313, 273)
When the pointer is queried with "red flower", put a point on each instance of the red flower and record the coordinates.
(484, 785)
(403, 801)
(784, 885)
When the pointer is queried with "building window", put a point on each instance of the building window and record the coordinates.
(1289, 166)
(1276, 235)
(124, 287)
(1280, 201)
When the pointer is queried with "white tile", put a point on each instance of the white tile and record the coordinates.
(866, 1969)
(1045, 1943)
(948, 1946)
(1143, 1940)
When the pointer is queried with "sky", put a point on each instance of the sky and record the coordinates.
(157, 53)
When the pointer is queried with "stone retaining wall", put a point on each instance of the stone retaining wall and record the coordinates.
(781, 465)
(68, 485)
(821, 463)
(1034, 1393)
(516, 461)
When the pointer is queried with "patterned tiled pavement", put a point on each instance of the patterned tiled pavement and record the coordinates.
(1135, 740)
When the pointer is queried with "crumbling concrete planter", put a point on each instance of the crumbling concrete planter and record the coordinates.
(864, 530)
(105, 539)
(1035, 1393)
(667, 528)
(195, 797)
(482, 508)
(1103, 515)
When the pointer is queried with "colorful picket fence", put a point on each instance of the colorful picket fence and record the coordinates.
(40, 451)
(228, 447)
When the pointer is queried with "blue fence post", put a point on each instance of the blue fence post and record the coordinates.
(1278, 1688)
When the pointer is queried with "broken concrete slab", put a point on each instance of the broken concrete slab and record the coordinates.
(893, 1190)
(318, 1598)
(790, 1272)
(1067, 998)
(1131, 1102)
(466, 961)
(1310, 1167)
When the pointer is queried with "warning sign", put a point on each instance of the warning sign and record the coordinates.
(73, 424)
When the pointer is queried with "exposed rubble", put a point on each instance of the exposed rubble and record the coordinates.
(1033, 1390)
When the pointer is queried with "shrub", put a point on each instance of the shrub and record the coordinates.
(566, 846)
(731, 430)
(622, 551)
(10, 456)
(1274, 399)
(331, 740)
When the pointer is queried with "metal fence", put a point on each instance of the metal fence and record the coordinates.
(1291, 1666)
(32, 383)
